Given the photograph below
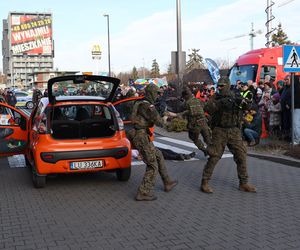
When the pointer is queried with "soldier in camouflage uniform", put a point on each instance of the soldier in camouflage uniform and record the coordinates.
(226, 110)
(197, 122)
(145, 116)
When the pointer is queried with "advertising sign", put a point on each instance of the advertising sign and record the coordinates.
(96, 52)
(31, 34)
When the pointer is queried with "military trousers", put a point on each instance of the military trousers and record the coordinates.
(196, 131)
(153, 159)
(230, 137)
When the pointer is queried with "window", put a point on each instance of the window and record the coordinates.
(267, 70)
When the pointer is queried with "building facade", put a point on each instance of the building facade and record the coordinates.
(27, 47)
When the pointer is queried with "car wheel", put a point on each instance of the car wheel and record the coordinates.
(29, 105)
(123, 174)
(39, 181)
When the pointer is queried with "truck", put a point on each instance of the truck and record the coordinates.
(256, 64)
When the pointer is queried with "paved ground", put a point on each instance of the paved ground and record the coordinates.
(95, 211)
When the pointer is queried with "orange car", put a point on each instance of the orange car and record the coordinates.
(70, 132)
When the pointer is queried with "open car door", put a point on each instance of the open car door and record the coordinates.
(13, 131)
(125, 107)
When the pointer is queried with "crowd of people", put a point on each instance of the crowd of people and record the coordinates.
(9, 97)
(269, 114)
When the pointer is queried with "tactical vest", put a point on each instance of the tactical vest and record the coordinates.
(228, 116)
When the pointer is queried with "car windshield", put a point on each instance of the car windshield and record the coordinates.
(243, 73)
(86, 88)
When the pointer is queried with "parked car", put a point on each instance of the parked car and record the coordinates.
(71, 134)
(24, 99)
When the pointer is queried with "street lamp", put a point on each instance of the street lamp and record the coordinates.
(108, 42)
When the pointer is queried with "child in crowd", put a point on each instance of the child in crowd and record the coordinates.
(275, 115)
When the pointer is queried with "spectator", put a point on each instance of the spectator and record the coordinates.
(237, 87)
(36, 95)
(275, 115)
(280, 85)
(11, 98)
(252, 129)
(285, 102)
(258, 96)
(246, 92)
(269, 89)
(297, 112)
(261, 85)
(263, 109)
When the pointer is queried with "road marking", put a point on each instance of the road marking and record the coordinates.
(189, 144)
(175, 149)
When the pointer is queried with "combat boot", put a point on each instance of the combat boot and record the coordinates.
(205, 187)
(145, 197)
(247, 188)
(170, 185)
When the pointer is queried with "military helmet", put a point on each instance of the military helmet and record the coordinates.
(223, 81)
(151, 92)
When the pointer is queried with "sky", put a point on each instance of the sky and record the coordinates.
(142, 30)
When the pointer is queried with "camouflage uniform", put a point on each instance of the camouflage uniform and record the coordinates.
(226, 110)
(145, 116)
(197, 122)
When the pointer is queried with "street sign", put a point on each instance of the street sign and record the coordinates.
(291, 59)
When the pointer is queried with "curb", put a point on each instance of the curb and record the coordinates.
(278, 159)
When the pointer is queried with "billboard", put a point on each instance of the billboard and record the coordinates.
(31, 34)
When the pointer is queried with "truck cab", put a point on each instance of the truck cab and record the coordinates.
(256, 64)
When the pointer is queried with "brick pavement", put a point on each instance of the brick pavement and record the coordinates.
(95, 211)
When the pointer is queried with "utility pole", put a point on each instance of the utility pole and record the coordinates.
(108, 43)
(179, 46)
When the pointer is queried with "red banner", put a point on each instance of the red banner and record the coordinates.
(31, 34)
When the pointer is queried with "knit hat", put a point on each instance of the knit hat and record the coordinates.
(280, 83)
(258, 91)
(276, 96)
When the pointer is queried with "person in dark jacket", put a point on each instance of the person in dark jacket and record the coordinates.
(11, 98)
(297, 111)
(252, 129)
(285, 101)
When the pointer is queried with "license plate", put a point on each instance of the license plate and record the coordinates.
(86, 165)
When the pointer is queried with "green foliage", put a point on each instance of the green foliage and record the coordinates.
(134, 73)
(195, 61)
(280, 38)
(177, 125)
(155, 69)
